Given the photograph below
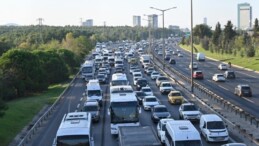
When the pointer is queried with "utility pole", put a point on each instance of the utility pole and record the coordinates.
(191, 48)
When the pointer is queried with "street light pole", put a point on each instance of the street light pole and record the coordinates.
(163, 32)
(191, 48)
(149, 35)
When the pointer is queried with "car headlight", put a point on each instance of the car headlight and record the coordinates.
(169, 116)
(155, 116)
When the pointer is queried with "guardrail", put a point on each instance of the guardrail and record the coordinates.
(249, 118)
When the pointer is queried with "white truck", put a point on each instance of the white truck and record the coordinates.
(145, 59)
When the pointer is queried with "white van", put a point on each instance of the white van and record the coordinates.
(200, 57)
(181, 132)
(94, 91)
(213, 128)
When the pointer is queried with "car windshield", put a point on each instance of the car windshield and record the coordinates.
(215, 125)
(220, 76)
(94, 93)
(166, 85)
(160, 109)
(245, 88)
(151, 100)
(155, 73)
(176, 94)
(189, 108)
(140, 94)
(90, 108)
(146, 90)
(163, 78)
(100, 76)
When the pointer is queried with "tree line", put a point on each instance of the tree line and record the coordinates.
(228, 40)
(33, 57)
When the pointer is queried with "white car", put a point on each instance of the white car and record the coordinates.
(234, 144)
(147, 91)
(195, 65)
(137, 74)
(160, 53)
(154, 75)
(161, 129)
(218, 78)
(222, 67)
(180, 55)
(132, 69)
(149, 102)
(165, 87)
(188, 111)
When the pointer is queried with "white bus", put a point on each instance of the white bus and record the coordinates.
(75, 129)
(94, 91)
(119, 79)
(124, 109)
(88, 70)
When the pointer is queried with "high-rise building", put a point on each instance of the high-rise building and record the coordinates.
(205, 20)
(136, 21)
(244, 16)
(153, 21)
(88, 23)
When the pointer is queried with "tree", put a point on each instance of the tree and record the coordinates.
(256, 28)
(229, 33)
(250, 52)
(202, 30)
(216, 35)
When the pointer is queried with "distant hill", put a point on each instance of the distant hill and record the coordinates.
(11, 24)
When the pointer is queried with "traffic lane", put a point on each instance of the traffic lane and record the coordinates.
(228, 91)
(47, 132)
(173, 109)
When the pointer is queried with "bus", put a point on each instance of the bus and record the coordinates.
(88, 70)
(119, 79)
(124, 109)
(75, 129)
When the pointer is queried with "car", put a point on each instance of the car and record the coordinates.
(222, 66)
(218, 78)
(174, 53)
(175, 97)
(133, 68)
(147, 90)
(149, 102)
(140, 95)
(197, 74)
(118, 70)
(101, 78)
(195, 65)
(161, 128)
(188, 111)
(243, 90)
(172, 61)
(103, 71)
(154, 75)
(137, 74)
(161, 79)
(136, 71)
(141, 82)
(167, 57)
(165, 87)
(93, 107)
(149, 70)
(234, 144)
(159, 112)
(135, 79)
(180, 55)
(229, 74)
(160, 53)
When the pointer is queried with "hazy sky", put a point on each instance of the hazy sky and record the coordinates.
(120, 12)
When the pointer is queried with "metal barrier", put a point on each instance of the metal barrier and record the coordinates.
(249, 118)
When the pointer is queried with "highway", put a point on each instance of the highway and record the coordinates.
(73, 101)
(223, 89)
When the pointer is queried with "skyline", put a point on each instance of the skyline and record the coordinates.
(118, 13)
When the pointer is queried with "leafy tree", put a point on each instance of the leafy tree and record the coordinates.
(216, 35)
(229, 33)
(183, 40)
(256, 28)
(202, 30)
(250, 52)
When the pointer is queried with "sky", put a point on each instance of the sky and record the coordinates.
(120, 12)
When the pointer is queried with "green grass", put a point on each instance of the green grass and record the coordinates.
(251, 63)
(21, 111)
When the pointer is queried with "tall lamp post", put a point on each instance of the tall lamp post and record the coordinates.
(163, 32)
(191, 48)
(149, 35)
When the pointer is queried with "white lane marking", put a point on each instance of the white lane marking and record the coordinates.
(78, 105)
(223, 87)
(81, 98)
(245, 74)
(249, 100)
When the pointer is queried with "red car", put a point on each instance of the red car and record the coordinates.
(197, 75)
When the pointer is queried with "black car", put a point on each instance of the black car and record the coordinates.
(159, 112)
(172, 61)
(142, 82)
(101, 78)
(243, 90)
(229, 75)
(167, 57)
(140, 95)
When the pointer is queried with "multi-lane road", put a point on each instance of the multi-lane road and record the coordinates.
(73, 101)
(223, 89)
